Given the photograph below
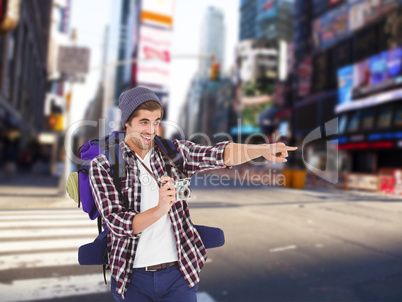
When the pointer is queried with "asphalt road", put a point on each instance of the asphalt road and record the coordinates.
(284, 245)
(281, 245)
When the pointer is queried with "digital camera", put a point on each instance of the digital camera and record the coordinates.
(183, 191)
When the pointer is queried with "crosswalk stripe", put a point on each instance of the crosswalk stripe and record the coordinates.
(38, 260)
(42, 212)
(39, 245)
(44, 223)
(43, 216)
(51, 288)
(26, 243)
(60, 232)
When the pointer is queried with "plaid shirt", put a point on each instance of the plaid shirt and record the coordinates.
(122, 243)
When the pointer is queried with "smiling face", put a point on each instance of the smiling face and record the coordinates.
(141, 130)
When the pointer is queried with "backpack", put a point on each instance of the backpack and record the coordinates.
(78, 188)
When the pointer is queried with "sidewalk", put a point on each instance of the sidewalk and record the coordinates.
(32, 191)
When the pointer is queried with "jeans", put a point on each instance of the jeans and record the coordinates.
(166, 285)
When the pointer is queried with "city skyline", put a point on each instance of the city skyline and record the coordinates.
(185, 47)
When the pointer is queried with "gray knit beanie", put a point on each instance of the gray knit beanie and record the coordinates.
(129, 101)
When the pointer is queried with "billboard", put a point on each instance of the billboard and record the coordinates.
(380, 72)
(362, 12)
(158, 12)
(347, 18)
(73, 59)
(330, 27)
(268, 9)
(153, 56)
(345, 84)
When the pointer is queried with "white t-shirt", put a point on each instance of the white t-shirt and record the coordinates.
(157, 243)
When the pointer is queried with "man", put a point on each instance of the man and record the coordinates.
(156, 253)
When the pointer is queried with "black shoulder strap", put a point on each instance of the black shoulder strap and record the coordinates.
(172, 153)
(118, 170)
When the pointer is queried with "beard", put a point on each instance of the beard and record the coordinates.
(140, 142)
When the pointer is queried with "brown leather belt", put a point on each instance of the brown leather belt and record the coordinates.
(158, 267)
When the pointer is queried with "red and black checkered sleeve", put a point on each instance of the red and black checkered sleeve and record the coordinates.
(201, 158)
(118, 219)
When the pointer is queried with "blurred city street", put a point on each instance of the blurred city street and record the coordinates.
(281, 245)
(324, 76)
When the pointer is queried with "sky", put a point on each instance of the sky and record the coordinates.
(186, 41)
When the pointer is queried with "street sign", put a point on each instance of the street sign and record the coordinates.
(73, 59)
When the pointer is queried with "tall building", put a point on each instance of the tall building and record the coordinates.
(266, 32)
(266, 19)
(58, 93)
(212, 41)
(348, 66)
(119, 36)
(249, 27)
(192, 106)
(138, 49)
(23, 70)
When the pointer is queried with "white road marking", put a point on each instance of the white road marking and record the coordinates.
(36, 245)
(284, 248)
(49, 213)
(60, 233)
(204, 297)
(51, 288)
(38, 260)
(43, 216)
(45, 223)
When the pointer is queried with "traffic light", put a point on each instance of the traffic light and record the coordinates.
(55, 119)
(56, 122)
(9, 15)
(215, 72)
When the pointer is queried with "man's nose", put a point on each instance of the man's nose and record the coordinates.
(151, 128)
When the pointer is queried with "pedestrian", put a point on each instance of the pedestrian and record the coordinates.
(155, 252)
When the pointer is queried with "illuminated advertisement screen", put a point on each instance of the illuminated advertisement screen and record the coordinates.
(153, 56)
(268, 9)
(345, 84)
(394, 62)
(330, 27)
(343, 20)
(361, 76)
(378, 68)
(384, 118)
(342, 123)
(377, 73)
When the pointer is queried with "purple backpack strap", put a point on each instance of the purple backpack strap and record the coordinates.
(89, 151)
